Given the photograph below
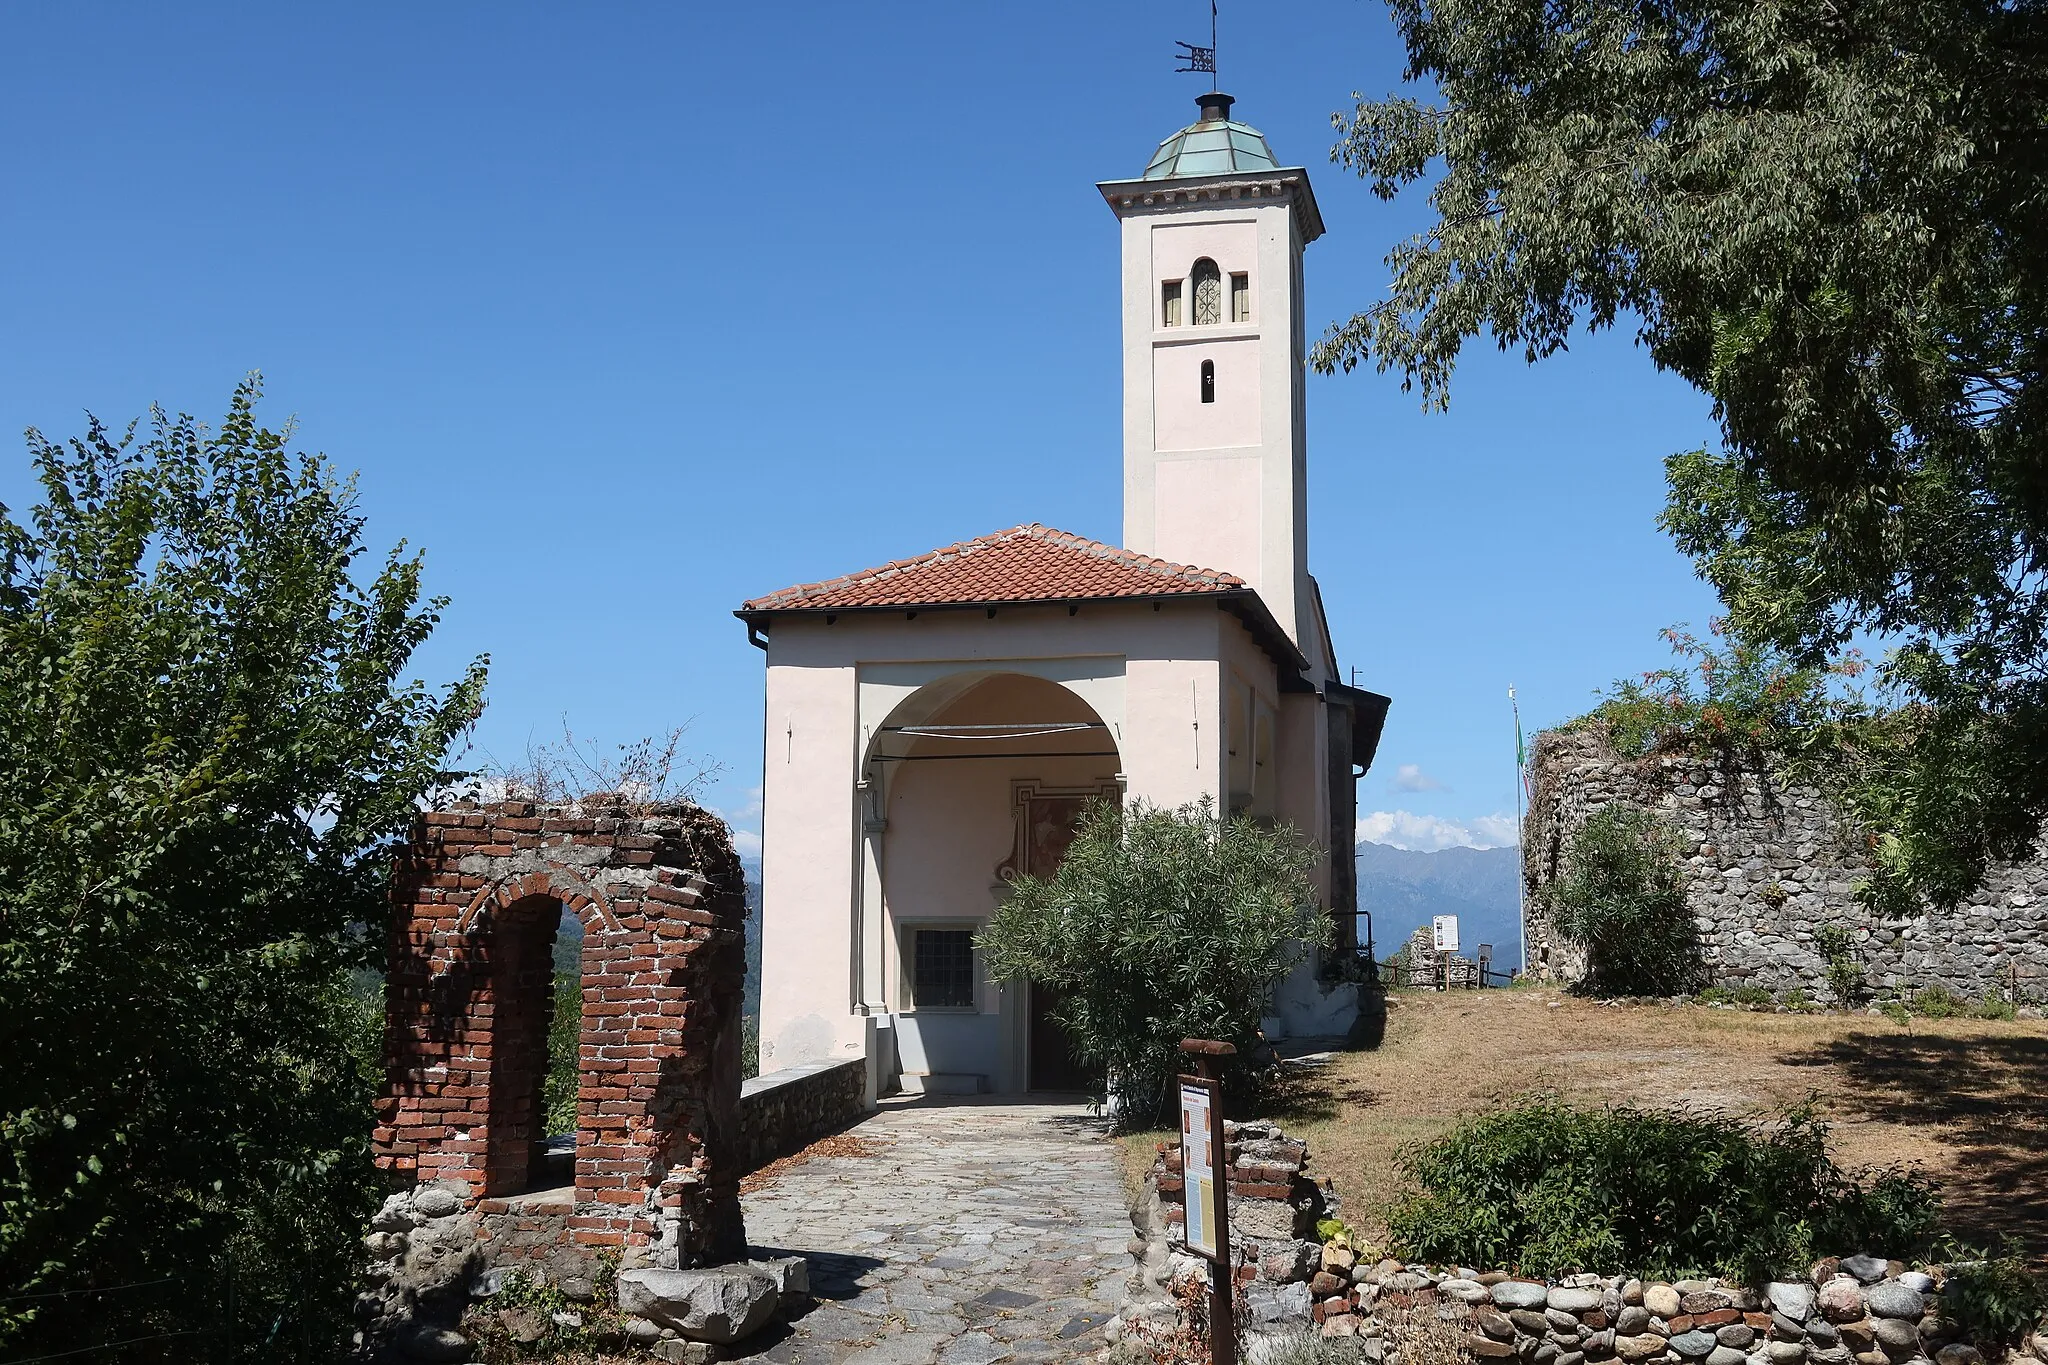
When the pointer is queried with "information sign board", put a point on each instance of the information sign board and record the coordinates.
(1446, 927)
(1198, 1161)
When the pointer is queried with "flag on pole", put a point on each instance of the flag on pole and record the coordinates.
(1521, 750)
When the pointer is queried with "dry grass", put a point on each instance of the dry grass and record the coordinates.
(1965, 1101)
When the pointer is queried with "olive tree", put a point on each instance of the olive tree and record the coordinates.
(1160, 924)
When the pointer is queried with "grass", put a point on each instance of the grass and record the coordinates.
(1966, 1100)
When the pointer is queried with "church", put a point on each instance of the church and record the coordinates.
(935, 724)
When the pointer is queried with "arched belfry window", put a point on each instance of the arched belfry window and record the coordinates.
(1208, 381)
(1208, 281)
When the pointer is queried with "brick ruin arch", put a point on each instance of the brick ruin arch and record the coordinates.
(660, 894)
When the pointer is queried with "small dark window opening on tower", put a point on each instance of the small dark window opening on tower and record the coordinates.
(1208, 381)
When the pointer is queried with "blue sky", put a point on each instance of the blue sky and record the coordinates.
(629, 312)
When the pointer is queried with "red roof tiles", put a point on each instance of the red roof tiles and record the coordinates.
(1031, 563)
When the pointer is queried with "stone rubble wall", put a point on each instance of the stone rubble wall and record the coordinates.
(1768, 862)
(436, 1273)
(786, 1110)
(1274, 1209)
(1859, 1310)
(1426, 969)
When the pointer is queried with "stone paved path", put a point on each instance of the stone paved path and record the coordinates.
(980, 1232)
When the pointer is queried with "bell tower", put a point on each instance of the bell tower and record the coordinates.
(1215, 460)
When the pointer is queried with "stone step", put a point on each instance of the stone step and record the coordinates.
(943, 1083)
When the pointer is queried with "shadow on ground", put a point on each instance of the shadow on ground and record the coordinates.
(835, 1277)
(1313, 1092)
(1986, 1094)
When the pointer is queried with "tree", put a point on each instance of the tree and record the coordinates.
(1160, 925)
(1620, 895)
(1830, 219)
(207, 755)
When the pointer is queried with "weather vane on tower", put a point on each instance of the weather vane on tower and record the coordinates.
(1201, 58)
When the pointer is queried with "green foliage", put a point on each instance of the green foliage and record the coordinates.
(1995, 1005)
(1160, 925)
(1621, 895)
(586, 1328)
(1743, 697)
(1797, 1000)
(1550, 1189)
(750, 1046)
(565, 1066)
(1938, 1002)
(207, 755)
(1802, 217)
(1997, 1299)
(1837, 948)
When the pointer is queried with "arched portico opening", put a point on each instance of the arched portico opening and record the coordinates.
(521, 949)
(975, 778)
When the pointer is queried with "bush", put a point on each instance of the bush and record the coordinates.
(1995, 1005)
(1621, 896)
(1160, 925)
(1996, 1299)
(1938, 1002)
(1551, 1189)
(1837, 948)
(1751, 697)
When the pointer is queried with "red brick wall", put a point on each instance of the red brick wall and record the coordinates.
(660, 896)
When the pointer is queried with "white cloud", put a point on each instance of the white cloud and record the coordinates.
(745, 842)
(1428, 833)
(1409, 777)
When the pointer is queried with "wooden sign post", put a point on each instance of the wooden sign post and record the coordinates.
(1205, 1182)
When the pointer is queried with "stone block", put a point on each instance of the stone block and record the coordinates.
(720, 1305)
(1520, 1294)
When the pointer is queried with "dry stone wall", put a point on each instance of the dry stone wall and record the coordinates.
(1768, 862)
(1857, 1310)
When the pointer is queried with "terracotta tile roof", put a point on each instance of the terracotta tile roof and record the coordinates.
(1031, 563)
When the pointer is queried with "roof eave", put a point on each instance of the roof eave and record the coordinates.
(1243, 603)
(1369, 720)
(1122, 194)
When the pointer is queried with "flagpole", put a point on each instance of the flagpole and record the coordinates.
(1521, 902)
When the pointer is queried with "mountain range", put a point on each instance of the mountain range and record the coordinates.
(1406, 889)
